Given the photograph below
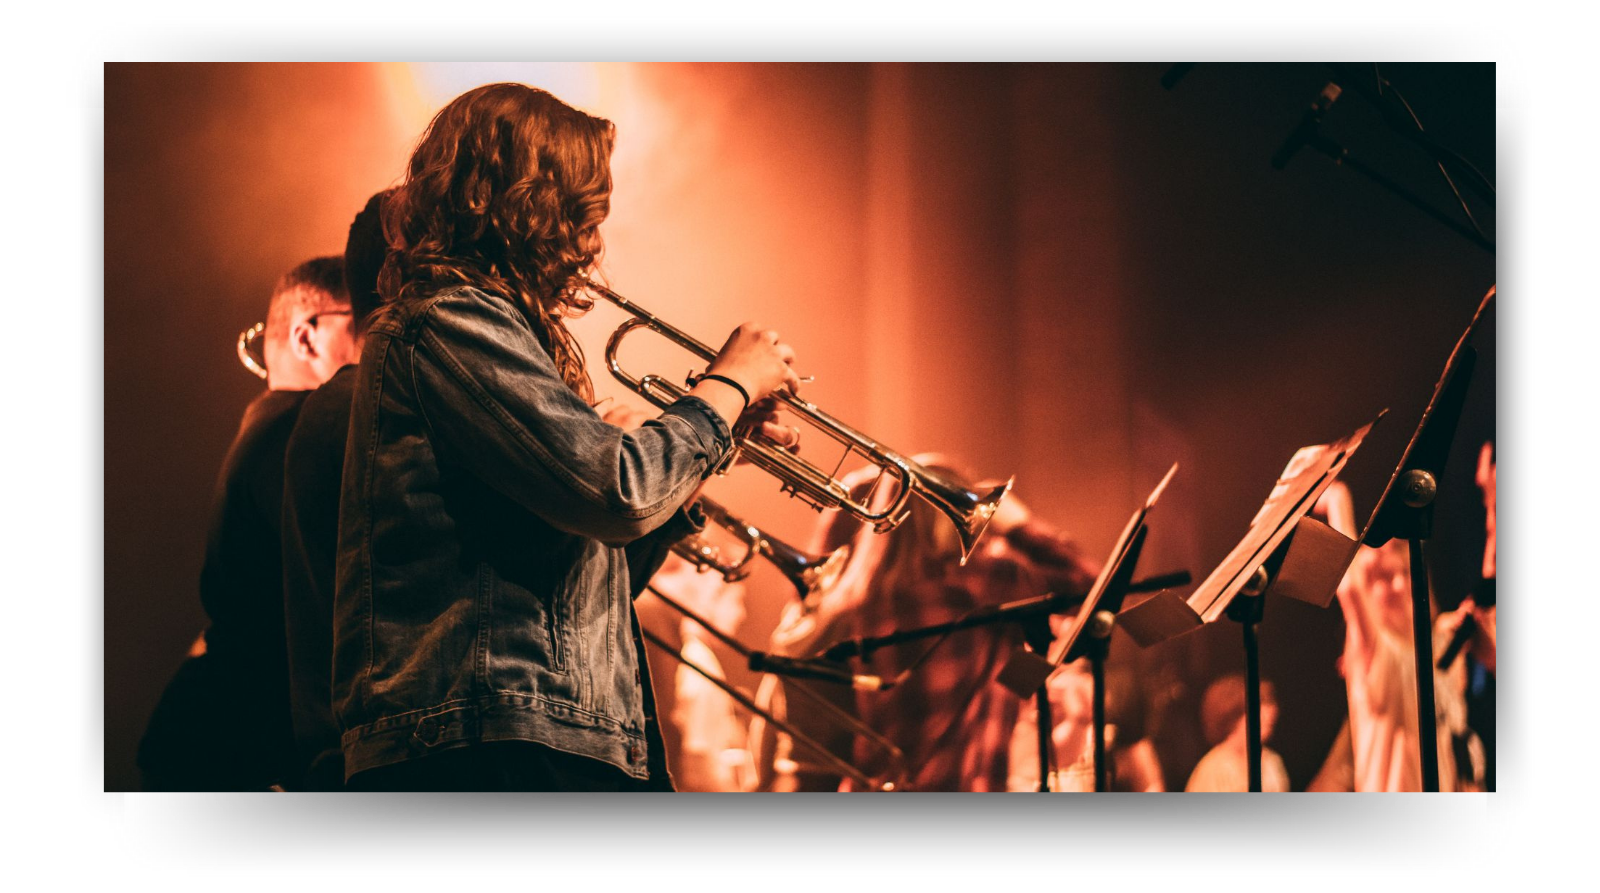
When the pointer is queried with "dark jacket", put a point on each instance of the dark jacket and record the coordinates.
(484, 592)
(312, 466)
(223, 722)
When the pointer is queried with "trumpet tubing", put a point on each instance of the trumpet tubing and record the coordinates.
(806, 572)
(968, 509)
(698, 550)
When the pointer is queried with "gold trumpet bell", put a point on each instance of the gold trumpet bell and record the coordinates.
(970, 510)
(820, 577)
(806, 572)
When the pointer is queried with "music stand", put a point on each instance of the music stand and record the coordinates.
(1283, 552)
(1029, 671)
(1405, 511)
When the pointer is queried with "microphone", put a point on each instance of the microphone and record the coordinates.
(1469, 627)
(1307, 128)
(807, 668)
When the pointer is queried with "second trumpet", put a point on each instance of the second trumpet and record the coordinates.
(808, 573)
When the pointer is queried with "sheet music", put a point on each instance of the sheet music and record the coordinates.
(1309, 472)
(1063, 644)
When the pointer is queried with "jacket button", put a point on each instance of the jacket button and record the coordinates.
(633, 753)
(428, 730)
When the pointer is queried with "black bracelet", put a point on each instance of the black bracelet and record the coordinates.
(730, 383)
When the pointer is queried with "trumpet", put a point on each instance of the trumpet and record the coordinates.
(806, 572)
(970, 510)
(247, 349)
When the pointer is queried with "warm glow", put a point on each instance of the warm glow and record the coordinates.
(436, 84)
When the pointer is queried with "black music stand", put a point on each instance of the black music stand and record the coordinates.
(1089, 636)
(1284, 552)
(1405, 511)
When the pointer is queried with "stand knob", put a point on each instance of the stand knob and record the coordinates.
(1257, 583)
(1418, 488)
(1100, 624)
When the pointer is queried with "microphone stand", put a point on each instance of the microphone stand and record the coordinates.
(838, 764)
(1020, 611)
(1342, 157)
(1309, 133)
(896, 755)
(1348, 76)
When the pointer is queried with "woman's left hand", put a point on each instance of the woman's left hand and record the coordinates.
(761, 419)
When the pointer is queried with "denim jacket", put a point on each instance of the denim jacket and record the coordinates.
(492, 533)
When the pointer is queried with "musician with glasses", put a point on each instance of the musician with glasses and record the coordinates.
(493, 528)
(313, 468)
(223, 722)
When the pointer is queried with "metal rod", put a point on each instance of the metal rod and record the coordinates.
(1102, 767)
(1342, 157)
(1252, 707)
(854, 724)
(1018, 610)
(1046, 723)
(749, 704)
(722, 637)
(1422, 644)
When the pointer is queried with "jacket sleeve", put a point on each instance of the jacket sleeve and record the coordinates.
(495, 404)
(647, 553)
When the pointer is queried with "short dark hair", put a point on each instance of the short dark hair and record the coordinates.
(364, 252)
(317, 284)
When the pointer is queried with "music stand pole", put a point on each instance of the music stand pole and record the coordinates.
(1422, 647)
(1093, 640)
(1036, 632)
(1252, 695)
(1097, 651)
(1405, 511)
(1247, 611)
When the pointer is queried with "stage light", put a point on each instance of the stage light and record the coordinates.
(578, 83)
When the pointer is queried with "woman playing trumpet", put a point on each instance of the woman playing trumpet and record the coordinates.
(493, 526)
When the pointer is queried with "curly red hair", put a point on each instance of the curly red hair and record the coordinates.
(505, 192)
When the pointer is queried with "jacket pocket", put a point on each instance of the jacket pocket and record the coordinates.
(555, 628)
(522, 639)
